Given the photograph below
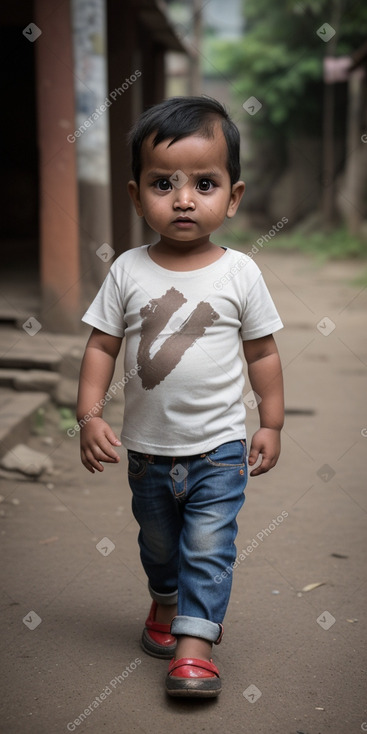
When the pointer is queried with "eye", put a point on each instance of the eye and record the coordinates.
(205, 184)
(162, 184)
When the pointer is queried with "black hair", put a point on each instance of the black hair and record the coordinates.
(179, 117)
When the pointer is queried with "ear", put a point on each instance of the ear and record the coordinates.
(134, 194)
(237, 192)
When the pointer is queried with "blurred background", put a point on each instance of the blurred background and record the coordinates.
(76, 74)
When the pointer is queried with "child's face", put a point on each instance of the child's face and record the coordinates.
(185, 191)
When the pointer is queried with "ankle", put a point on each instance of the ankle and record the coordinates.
(165, 613)
(193, 647)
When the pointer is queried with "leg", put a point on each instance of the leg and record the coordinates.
(160, 524)
(160, 521)
(207, 546)
(207, 549)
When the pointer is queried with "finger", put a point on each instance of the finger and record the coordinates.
(104, 452)
(91, 462)
(87, 465)
(112, 438)
(109, 457)
(266, 464)
(259, 470)
(253, 456)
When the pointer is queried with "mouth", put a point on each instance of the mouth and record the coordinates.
(183, 220)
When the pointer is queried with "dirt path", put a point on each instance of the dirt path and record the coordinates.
(292, 662)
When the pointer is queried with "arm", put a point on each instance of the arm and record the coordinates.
(265, 375)
(96, 437)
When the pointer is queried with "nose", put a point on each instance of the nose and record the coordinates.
(183, 198)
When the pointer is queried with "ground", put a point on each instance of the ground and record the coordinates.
(291, 661)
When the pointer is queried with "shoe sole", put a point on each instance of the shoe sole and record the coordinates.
(193, 687)
(155, 650)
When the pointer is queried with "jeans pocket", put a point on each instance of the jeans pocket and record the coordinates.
(137, 464)
(231, 454)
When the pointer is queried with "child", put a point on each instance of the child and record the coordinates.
(184, 305)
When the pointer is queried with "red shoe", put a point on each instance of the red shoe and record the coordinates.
(157, 639)
(193, 677)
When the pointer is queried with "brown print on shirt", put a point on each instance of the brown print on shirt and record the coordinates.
(155, 315)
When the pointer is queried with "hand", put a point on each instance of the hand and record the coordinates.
(266, 441)
(96, 441)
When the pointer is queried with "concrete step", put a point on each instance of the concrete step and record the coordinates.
(35, 367)
(40, 350)
(18, 350)
(63, 390)
(30, 380)
(17, 416)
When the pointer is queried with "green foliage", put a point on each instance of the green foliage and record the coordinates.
(279, 60)
(66, 418)
(334, 245)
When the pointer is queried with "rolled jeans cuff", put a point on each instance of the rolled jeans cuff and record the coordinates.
(164, 599)
(197, 627)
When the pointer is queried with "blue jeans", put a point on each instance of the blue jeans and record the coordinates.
(186, 507)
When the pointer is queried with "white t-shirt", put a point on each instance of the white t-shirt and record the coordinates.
(183, 338)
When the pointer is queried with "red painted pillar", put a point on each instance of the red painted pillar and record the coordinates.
(59, 256)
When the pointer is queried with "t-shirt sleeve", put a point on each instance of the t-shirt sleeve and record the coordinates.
(106, 311)
(260, 317)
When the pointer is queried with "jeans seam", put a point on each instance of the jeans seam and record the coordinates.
(230, 466)
(226, 464)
